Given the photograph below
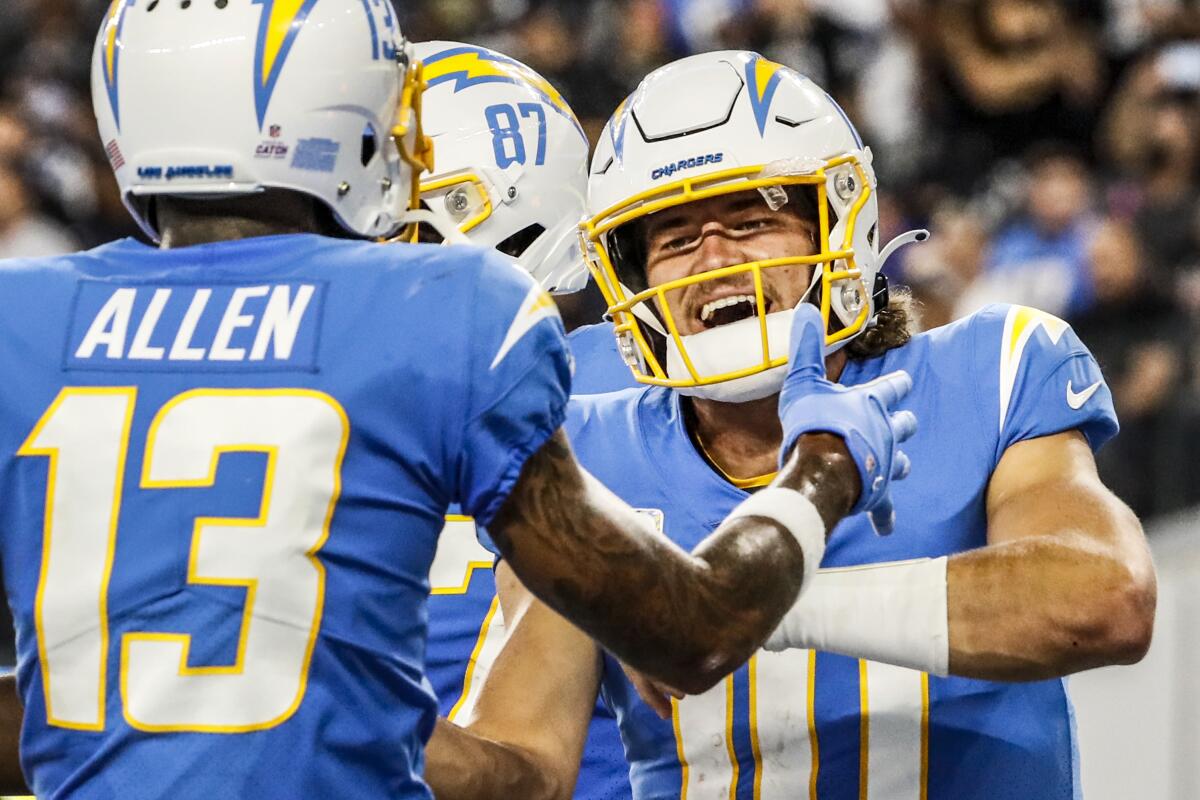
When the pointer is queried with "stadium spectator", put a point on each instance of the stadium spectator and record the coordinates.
(940, 271)
(1150, 135)
(1136, 333)
(24, 233)
(1011, 73)
(1039, 259)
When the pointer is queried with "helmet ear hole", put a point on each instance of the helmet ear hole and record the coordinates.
(879, 294)
(516, 245)
(370, 144)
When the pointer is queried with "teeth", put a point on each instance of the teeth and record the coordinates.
(711, 306)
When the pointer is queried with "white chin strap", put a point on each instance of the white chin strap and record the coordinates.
(731, 348)
(449, 231)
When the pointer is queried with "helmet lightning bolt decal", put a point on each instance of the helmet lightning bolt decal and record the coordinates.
(278, 27)
(762, 79)
(110, 54)
(472, 66)
(617, 125)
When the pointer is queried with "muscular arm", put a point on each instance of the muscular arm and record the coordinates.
(1066, 583)
(527, 728)
(460, 765)
(687, 619)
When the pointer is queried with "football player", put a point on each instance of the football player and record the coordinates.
(727, 190)
(231, 457)
(511, 174)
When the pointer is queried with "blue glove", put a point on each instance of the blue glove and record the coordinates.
(861, 415)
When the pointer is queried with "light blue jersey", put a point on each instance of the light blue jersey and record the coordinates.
(802, 724)
(598, 365)
(226, 470)
(466, 632)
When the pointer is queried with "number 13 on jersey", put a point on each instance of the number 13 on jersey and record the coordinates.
(86, 435)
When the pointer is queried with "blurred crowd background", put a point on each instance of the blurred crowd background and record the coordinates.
(1052, 146)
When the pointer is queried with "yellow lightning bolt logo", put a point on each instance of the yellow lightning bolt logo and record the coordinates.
(111, 52)
(280, 17)
(1019, 327)
(278, 27)
(763, 77)
(763, 72)
(112, 22)
(471, 66)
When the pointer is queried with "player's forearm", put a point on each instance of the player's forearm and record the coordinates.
(1045, 607)
(460, 765)
(685, 619)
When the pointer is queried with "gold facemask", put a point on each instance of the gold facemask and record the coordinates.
(631, 312)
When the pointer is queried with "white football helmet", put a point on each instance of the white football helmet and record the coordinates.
(715, 124)
(227, 97)
(511, 160)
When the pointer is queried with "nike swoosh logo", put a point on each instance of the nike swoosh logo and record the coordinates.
(1076, 400)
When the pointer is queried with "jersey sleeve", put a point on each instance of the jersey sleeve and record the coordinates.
(1048, 380)
(598, 365)
(517, 387)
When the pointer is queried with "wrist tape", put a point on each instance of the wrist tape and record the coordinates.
(794, 512)
(893, 613)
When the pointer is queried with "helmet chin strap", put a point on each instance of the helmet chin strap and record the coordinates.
(732, 348)
(448, 230)
(645, 314)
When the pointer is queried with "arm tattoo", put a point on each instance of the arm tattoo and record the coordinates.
(687, 619)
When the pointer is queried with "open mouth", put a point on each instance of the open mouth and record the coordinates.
(726, 310)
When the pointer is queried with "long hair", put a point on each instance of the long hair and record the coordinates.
(893, 327)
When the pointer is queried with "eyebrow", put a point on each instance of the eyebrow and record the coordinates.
(655, 227)
(745, 203)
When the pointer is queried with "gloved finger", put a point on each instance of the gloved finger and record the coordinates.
(807, 343)
(904, 425)
(883, 517)
(901, 466)
(892, 388)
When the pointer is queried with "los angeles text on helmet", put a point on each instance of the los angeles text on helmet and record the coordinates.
(188, 172)
(686, 163)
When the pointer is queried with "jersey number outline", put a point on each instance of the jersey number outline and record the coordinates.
(86, 433)
(459, 555)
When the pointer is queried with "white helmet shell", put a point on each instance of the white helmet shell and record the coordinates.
(228, 98)
(512, 164)
(716, 124)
